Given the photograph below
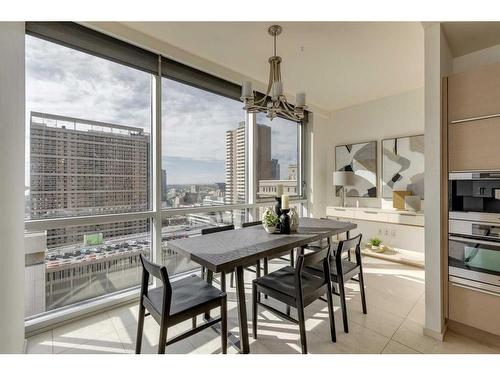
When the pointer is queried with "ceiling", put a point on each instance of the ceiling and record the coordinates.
(467, 37)
(337, 64)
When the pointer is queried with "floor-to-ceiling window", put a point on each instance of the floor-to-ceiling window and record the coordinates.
(88, 153)
(91, 151)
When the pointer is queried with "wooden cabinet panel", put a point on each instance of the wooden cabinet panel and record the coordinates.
(473, 308)
(474, 145)
(475, 93)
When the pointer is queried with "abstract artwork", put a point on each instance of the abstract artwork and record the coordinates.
(360, 158)
(403, 165)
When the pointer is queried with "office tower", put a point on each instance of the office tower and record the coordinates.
(275, 169)
(81, 167)
(235, 160)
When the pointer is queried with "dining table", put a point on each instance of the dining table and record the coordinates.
(233, 250)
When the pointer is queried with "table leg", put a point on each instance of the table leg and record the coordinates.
(347, 236)
(210, 276)
(242, 311)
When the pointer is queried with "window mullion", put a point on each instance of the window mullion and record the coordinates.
(156, 165)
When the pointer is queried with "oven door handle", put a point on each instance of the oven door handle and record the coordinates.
(471, 240)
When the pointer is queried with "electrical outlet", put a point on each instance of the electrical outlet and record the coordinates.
(393, 232)
(379, 231)
(386, 232)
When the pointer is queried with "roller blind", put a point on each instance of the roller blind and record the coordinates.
(182, 73)
(76, 36)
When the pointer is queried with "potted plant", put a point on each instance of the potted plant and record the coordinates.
(270, 221)
(375, 244)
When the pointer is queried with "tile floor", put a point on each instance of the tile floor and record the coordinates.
(395, 297)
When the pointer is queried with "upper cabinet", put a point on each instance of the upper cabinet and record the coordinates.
(474, 145)
(474, 119)
(475, 93)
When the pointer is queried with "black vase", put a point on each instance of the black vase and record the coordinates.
(277, 206)
(285, 222)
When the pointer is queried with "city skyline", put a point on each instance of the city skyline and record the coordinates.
(71, 83)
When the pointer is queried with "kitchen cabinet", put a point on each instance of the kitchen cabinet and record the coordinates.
(474, 93)
(474, 145)
(475, 308)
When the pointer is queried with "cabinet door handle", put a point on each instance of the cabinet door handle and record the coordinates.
(476, 289)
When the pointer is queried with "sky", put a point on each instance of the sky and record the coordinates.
(67, 82)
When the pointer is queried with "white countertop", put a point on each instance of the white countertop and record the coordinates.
(381, 210)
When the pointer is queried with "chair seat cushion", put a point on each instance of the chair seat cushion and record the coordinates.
(347, 266)
(283, 280)
(187, 293)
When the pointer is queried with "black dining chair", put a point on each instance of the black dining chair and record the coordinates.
(298, 289)
(209, 274)
(277, 256)
(342, 270)
(174, 302)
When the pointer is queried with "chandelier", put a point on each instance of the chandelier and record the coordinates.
(274, 103)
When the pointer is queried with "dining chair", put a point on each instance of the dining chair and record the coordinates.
(296, 288)
(277, 256)
(342, 270)
(209, 275)
(174, 302)
(257, 266)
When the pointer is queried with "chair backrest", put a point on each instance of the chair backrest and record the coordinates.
(251, 224)
(217, 229)
(159, 272)
(308, 259)
(346, 245)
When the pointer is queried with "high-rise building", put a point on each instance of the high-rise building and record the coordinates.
(235, 165)
(275, 169)
(235, 160)
(82, 167)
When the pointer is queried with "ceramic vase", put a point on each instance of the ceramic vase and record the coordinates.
(294, 220)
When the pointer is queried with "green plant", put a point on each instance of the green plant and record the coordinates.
(270, 219)
(375, 241)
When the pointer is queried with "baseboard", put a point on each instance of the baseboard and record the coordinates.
(474, 333)
(439, 336)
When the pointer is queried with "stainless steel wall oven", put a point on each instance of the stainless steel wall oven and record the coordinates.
(474, 230)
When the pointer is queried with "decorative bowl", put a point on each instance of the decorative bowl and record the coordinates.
(270, 230)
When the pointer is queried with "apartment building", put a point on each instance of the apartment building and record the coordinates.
(81, 167)
(267, 167)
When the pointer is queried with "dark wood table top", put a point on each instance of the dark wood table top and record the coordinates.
(223, 251)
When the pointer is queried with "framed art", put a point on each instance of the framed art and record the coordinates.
(360, 158)
(403, 165)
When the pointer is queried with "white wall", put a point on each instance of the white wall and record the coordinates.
(472, 60)
(316, 164)
(437, 65)
(12, 187)
(392, 116)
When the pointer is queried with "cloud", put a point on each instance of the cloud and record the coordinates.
(71, 83)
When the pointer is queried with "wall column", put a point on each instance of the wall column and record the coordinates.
(436, 67)
(12, 126)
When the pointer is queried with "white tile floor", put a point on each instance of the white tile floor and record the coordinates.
(395, 297)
